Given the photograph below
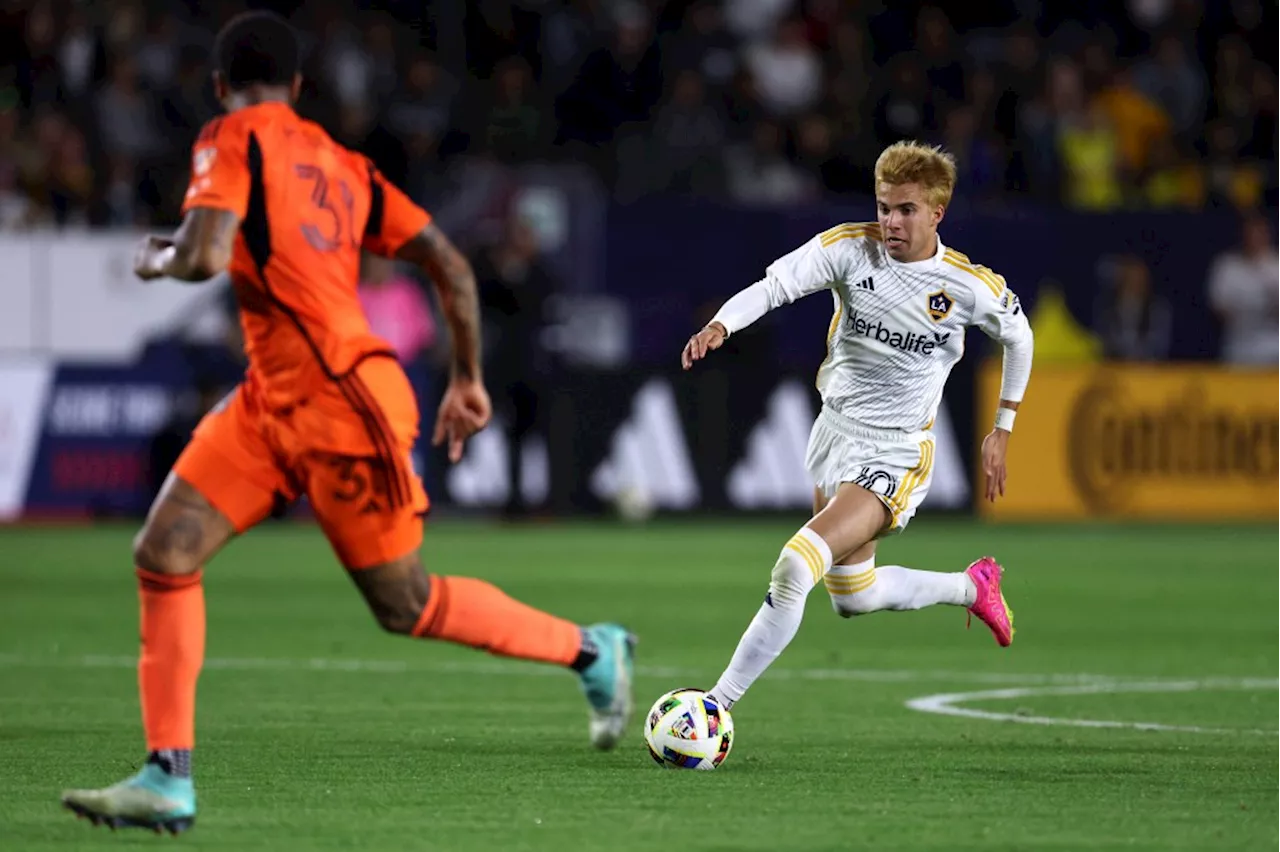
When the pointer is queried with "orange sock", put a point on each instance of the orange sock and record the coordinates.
(475, 613)
(172, 653)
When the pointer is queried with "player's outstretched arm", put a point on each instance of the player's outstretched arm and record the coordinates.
(812, 267)
(465, 408)
(197, 251)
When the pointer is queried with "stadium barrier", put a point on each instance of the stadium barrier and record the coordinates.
(1167, 442)
(85, 440)
(716, 439)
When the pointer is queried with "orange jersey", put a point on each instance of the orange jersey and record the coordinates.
(307, 206)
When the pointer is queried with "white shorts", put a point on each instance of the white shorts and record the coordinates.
(895, 466)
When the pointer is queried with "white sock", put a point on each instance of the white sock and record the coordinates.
(863, 588)
(803, 562)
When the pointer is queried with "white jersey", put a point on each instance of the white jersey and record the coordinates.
(897, 328)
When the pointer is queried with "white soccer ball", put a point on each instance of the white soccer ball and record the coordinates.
(687, 729)
(634, 504)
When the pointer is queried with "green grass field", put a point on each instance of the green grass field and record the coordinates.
(318, 732)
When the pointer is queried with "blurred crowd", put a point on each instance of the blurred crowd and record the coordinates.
(1094, 104)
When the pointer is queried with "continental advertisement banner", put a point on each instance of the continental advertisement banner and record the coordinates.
(1139, 442)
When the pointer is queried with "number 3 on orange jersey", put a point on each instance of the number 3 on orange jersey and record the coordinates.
(340, 232)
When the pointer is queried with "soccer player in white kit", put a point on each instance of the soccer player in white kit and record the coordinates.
(902, 303)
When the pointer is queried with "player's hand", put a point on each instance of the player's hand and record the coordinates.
(464, 411)
(994, 447)
(709, 339)
(152, 256)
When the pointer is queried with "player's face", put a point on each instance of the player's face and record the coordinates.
(907, 220)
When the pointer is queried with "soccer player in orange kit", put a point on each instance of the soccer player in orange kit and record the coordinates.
(324, 410)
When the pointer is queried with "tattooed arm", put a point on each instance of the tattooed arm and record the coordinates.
(198, 250)
(465, 408)
(431, 250)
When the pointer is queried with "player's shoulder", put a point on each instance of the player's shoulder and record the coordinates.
(316, 137)
(851, 234)
(216, 130)
(234, 128)
(854, 242)
(972, 277)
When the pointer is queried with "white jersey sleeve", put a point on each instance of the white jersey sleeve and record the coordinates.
(810, 268)
(1002, 319)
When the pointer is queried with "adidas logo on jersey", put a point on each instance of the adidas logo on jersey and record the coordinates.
(922, 344)
(867, 283)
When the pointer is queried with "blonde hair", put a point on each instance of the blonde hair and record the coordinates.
(914, 162)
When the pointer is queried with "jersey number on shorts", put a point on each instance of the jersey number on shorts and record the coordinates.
(335, 230)
(360, 480)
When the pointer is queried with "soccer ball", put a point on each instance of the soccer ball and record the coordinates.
(687, 729)
(633, 504)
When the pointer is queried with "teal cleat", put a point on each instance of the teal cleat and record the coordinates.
(152, 799)
(607, 684)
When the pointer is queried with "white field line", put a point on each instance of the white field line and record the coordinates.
(947, 704)
(942, 703)
(492, 667)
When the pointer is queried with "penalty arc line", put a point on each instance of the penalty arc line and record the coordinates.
(947, 704)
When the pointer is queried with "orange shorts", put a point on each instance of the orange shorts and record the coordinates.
(346, 447)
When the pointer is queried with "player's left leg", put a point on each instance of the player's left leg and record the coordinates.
(224, 482)
(858, 586)
(377, 539)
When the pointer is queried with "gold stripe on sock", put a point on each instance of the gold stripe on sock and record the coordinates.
(792, 546)
(838, 585)
(810, 554)
(817, 564)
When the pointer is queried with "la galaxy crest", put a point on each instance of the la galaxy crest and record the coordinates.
(940, 305)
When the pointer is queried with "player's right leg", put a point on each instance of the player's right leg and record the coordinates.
(858, 586)
(221, 485)
(406, 600)
(370, 505)
(852, 518)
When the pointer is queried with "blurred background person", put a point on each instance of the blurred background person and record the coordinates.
(515, 287)
(1244, 290)
(1135, 323)
(397, 307)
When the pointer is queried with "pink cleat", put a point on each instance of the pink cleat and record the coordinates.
(989, 605)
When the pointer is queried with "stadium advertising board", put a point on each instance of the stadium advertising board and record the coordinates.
(1140, 442)
(78, 440)
(24, 389)
(716, 440)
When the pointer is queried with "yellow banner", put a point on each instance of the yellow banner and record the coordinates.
(1150, 442)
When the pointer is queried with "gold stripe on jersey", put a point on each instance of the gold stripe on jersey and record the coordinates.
(850, 232)
(901, 499)
(976, 268)
(995, 283)
(988, 276)
(846, 226)
(831, 333)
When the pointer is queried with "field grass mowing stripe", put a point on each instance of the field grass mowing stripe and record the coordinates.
(1080, 681)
